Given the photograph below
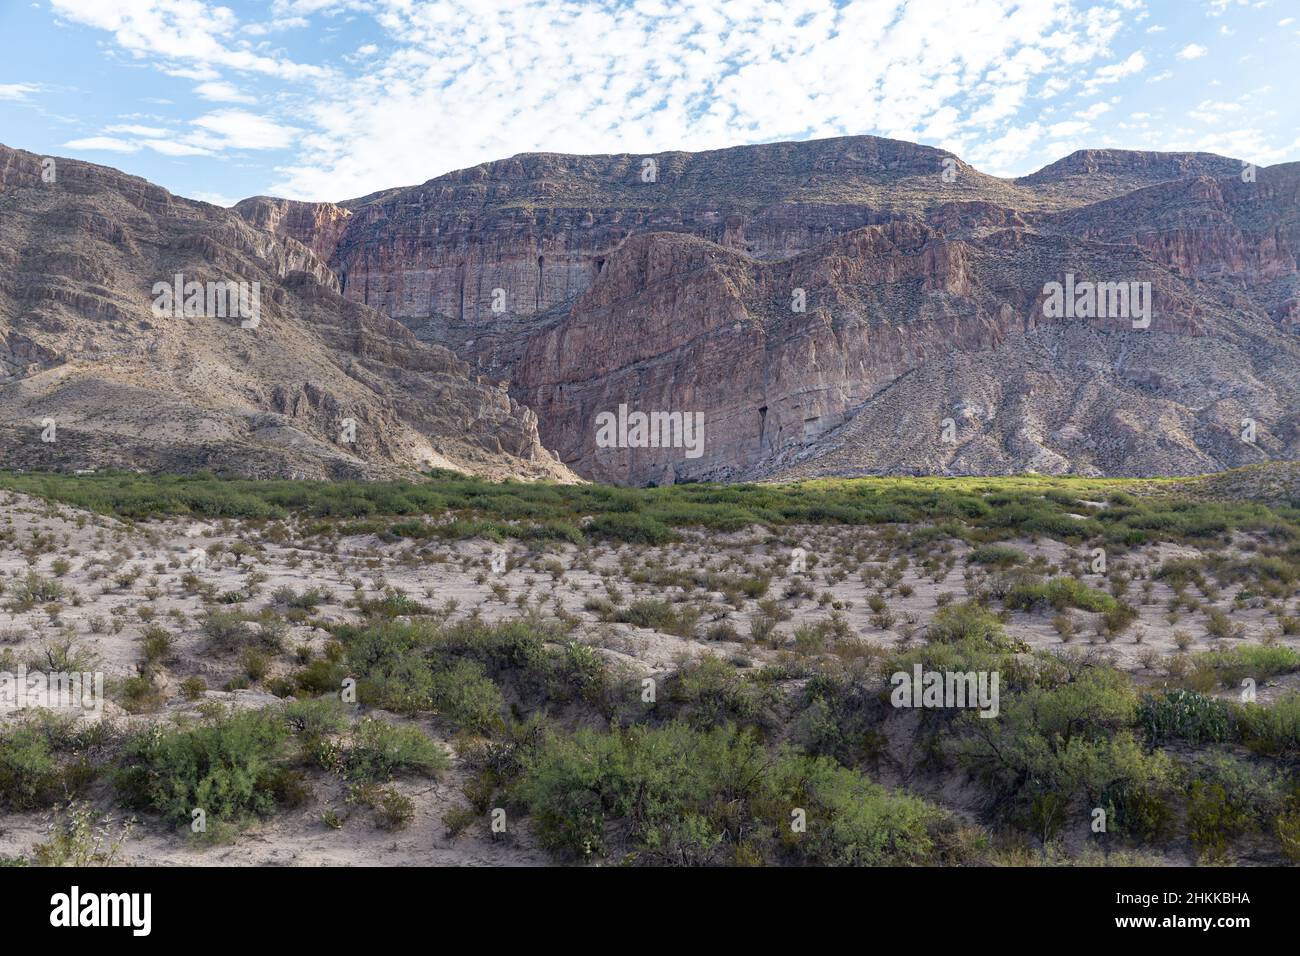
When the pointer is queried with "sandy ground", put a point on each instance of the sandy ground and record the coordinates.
(35, 535)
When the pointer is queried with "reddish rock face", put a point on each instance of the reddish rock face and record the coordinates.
(130, 386)
(667, 283)
(317, 225)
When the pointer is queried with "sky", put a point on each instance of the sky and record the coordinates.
(333, 99)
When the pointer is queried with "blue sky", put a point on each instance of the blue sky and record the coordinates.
(331, 99)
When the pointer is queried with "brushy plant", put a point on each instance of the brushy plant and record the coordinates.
(380, 751)
(223, 764)
(1185, 715)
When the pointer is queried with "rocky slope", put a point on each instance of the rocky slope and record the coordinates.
(846, 306)
(92, 376)
(669, 283)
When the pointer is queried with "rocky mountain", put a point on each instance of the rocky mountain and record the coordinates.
(270, 371)
(851, 306)
(832, 307)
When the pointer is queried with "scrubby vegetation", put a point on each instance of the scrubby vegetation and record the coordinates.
(468, 507)
(695, 675)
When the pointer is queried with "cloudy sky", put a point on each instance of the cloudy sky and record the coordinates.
(331, 99)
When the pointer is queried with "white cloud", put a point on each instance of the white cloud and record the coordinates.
(415, 88)
(176, 148)
(106, 143)
(217, 199)
(132, 129)
(1114, 72)
(181, 32)
(16, 92)
(461, 82)
(221, 92)
(239, 129)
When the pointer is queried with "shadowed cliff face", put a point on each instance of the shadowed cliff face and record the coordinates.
(669, 283)
(93, 375)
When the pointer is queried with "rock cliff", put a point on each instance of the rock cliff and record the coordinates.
(306, 383)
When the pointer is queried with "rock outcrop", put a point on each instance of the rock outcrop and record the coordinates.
(845, 306)
(854, 305)
(302, 382)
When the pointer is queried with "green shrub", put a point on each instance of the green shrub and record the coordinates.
(225, 764)
(955, 623)
(684, 796)
(34, 590)
(465, 696)
(1185, 715)
(1272, 729)
(1000, 555)
(381, 751)
(227, 630)
(709, 691)
(1229, 798)
(43, 762)
(1059, 593)
(632, 528)
(1256, 661)
(654, 614)
(314, 719)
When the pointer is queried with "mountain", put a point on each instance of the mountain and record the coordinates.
(96, 373)
(831, 307)
(668, 283)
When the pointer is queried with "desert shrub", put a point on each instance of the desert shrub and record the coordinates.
(227, 630)
(137, 694)
(632, 528)
(1213, 820)
(224, 764)
(304, 600)
(44, 761)
(156, 643)
(1060, 744)
(396, 662)
(1180, 572)
(698, 797)
(1059, 593)
(320, 676)
(709, 690)
(314, 719)
(80, 837)
(999, 555)
(969, 621)
(1256, 661)
(380, 751)
(1227, 799)
(841, 718)
(1287, 828)
(34, 590)
(466, 697)
(394, 810)
(853, 821)
(1116, 619)
(1185, 715)
(392, 604)
(654, 614)
(1272, 728)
